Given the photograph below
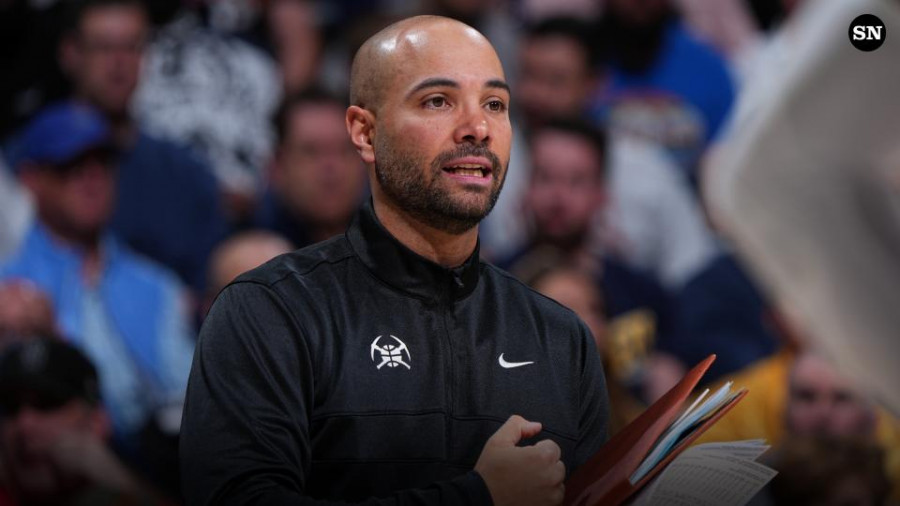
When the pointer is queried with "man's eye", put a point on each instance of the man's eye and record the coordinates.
(496, 106)
(436, 102)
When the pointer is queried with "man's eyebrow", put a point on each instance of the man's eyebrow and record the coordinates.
(434, 82)
(497, 83)
(443, 82)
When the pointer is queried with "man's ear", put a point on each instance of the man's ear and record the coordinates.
(31, 177)
(361, 127)
(100, 424)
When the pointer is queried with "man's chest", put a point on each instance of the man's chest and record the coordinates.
(399, 378)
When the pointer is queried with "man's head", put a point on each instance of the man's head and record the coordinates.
(577, 290)
(68, 167)
(631, 33)
(48, 392)
(557, 70)
(102, 52)
(240, 253)
(822, 403)
(429, 115)
(317, 172)
(566, 189)
(640, 13)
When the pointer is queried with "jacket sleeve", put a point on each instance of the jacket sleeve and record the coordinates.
(594, 422)
(245, 431)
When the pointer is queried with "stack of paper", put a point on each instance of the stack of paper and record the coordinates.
(710, 474)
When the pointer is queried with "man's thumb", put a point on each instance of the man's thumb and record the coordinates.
(514, 430)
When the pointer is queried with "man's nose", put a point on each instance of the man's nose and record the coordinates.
(473, 126)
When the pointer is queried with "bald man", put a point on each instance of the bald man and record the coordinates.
(389, 364)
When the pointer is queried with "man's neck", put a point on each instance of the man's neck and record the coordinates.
(449, 250)
(89, 244)
(121, 125)
(575, 252)
(123, 131)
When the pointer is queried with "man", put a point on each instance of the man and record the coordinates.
(126, 313)
(664, 84)
(566, 191)
(651, 220)
(215, 92)
(385, 363)
(797, 395)
(54, 432)
(822, 403)
(237, 255)
(317, 180)
(168, 205)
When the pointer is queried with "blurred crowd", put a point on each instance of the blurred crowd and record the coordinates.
(153, 151)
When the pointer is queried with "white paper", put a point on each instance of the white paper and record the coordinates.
(709, 475)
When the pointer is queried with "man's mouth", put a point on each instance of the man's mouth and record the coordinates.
(467, 170)
(478, 168)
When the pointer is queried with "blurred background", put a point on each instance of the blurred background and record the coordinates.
(153, 151)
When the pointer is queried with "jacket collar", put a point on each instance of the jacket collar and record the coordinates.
(41, 239)
(398, 266)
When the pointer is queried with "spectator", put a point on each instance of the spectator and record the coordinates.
(216, 93)
(317, 181)
(662, 83)
(124, 312)
(295, 39)
(651, 221)
(566, 191)
(168, 205)
(54, 432)
(576, 290)
(796, 395)
(240, 253)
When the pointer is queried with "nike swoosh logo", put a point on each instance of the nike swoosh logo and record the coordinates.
(509, 365)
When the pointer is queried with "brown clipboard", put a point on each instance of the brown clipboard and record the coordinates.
(604, 478)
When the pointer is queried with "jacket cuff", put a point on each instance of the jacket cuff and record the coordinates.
(476, 489)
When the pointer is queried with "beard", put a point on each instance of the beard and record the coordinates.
(428, 199)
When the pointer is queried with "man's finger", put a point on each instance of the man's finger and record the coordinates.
(514, 430)
(549, 450)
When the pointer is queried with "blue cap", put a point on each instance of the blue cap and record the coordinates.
(62, 132)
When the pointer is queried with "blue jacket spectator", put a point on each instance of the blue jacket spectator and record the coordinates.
(125, 312)
(169, 204)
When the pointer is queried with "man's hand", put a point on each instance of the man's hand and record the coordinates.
(521, 475)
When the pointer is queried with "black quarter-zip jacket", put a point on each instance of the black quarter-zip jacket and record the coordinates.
(357, 370)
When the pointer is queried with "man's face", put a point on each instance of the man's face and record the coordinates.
(566, 189)
(105, 56)
(78, 198)
(319, 172)
(579, 293)
(442, 135)
(823, 403)
(555, 80)
(30, 440)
